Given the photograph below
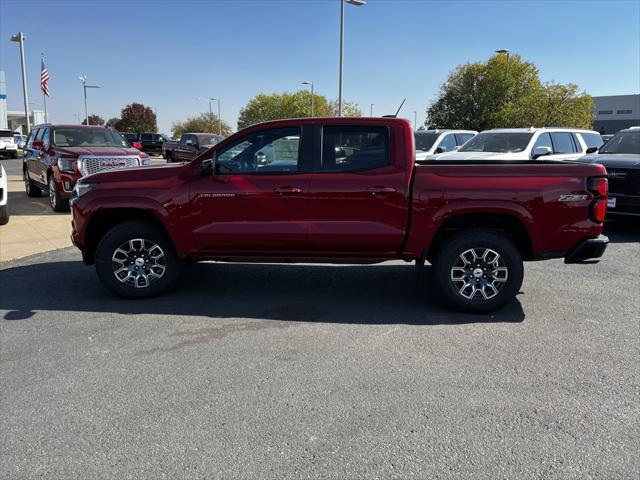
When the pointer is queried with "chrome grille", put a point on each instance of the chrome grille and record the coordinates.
(93, 164)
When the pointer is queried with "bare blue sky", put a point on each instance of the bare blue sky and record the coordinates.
(166, 54)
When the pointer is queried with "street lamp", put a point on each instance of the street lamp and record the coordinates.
(209, 100)
(20, 38)
(312, 103)
(371, 110)
(415, 120)
(504, 50)
(83, 79)
(357, 3)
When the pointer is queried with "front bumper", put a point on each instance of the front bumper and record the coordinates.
(589, 249)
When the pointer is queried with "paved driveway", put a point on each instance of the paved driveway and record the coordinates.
(290, 371)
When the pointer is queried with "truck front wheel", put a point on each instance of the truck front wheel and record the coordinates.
(478, 271)
(136, 260)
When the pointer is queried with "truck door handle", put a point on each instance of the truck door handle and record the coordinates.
(287, 190)
(378, 189)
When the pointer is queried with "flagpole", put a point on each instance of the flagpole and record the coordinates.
(44, 95)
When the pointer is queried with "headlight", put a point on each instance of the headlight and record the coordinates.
(66, 164)
(80, 189)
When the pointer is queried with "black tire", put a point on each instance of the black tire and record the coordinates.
(29, 186)
(488, 285)
(168, 156)
(123, 234)
(14, 155)
(58, 204)
(4, 215)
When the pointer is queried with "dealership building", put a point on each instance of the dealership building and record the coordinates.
(615, 112)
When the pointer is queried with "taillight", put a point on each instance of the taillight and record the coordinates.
(599, 186)
(137, 145)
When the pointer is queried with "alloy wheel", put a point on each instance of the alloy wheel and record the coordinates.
(139, 262)
(479, 273)
(52, 192)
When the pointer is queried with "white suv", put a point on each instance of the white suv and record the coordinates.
(431, 144)
(4, 193)
(528, 144)
(8, 147)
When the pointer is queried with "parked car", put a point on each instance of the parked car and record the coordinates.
(475, 222)
(4, 193)
(8, 147)
(20, 140)
(528, 144)
(189, 147)
(149, 142)
(56, 156)
(430, 144)
(621, 156)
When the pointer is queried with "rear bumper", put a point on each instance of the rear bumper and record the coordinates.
(589, 249)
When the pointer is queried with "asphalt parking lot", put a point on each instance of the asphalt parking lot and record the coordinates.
(320, 371)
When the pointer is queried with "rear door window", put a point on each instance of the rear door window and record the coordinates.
(448, 142)
(146, 137)
(544, 140)
(562, 142)
(351, 148)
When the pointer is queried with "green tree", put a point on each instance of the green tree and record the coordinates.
(263, 107)
(138, 118)
(203, 123)
(112, 122)
(495, 94)
(94, 120)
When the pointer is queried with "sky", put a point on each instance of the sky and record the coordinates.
(168, 54)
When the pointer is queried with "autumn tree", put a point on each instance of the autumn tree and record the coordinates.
(112, 122)
(94, 120)
(506, 92)
(203, 123)
(138, 118)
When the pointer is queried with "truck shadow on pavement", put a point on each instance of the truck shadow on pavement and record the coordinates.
(381, 294)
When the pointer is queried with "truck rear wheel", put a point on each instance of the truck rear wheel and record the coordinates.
(136, 260)
(478, 271)
(168, 156)
(29, 187)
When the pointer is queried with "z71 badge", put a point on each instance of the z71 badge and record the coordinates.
(572, 198)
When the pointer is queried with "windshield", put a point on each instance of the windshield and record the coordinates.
(424, 141)
(623, 142)
(498, 142)
(209, 139)
(87, 137)
(6, 133)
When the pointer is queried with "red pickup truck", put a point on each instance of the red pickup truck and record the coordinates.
(340, 190)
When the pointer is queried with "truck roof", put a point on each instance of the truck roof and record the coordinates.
(334, 121)
(540, 129)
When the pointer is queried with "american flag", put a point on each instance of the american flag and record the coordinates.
(44, 78)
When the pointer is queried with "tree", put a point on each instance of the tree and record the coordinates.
(480, 96)
(112, 122)
(94, 120)
(203, 123)
(263, 107)
(138, 118)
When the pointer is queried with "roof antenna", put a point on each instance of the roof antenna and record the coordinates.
(397, 111)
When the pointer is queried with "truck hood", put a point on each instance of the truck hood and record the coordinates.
(99, 151)
(135, 174)
(613, 160)
(484, 156)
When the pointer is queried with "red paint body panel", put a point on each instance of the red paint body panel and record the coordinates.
(382, 213)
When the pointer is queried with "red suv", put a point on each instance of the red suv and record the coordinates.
(56, 156)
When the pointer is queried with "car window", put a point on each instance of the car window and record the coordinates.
(462, 138)
(266, 151)
(623, 143)
(348, 148)
(424, 141)
(498, 142)
(189, 140)
(562, 142)
(592, 140)
(544, 140)
(146, 136)
(32, 136)
(45, 138)
(448, 142)
(40, 134)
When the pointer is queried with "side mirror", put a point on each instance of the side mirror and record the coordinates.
(441, 149)
(37, 144)
(541, 152)
(592, 149)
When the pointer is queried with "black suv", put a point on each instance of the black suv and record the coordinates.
(150, 142)
(621, 156)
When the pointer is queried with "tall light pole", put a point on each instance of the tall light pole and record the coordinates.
(219, 119)
(83, 79)
(371, 109)
(357, 3)
(20, 38)
(415, 120)
(504, 50)
(312, 103)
